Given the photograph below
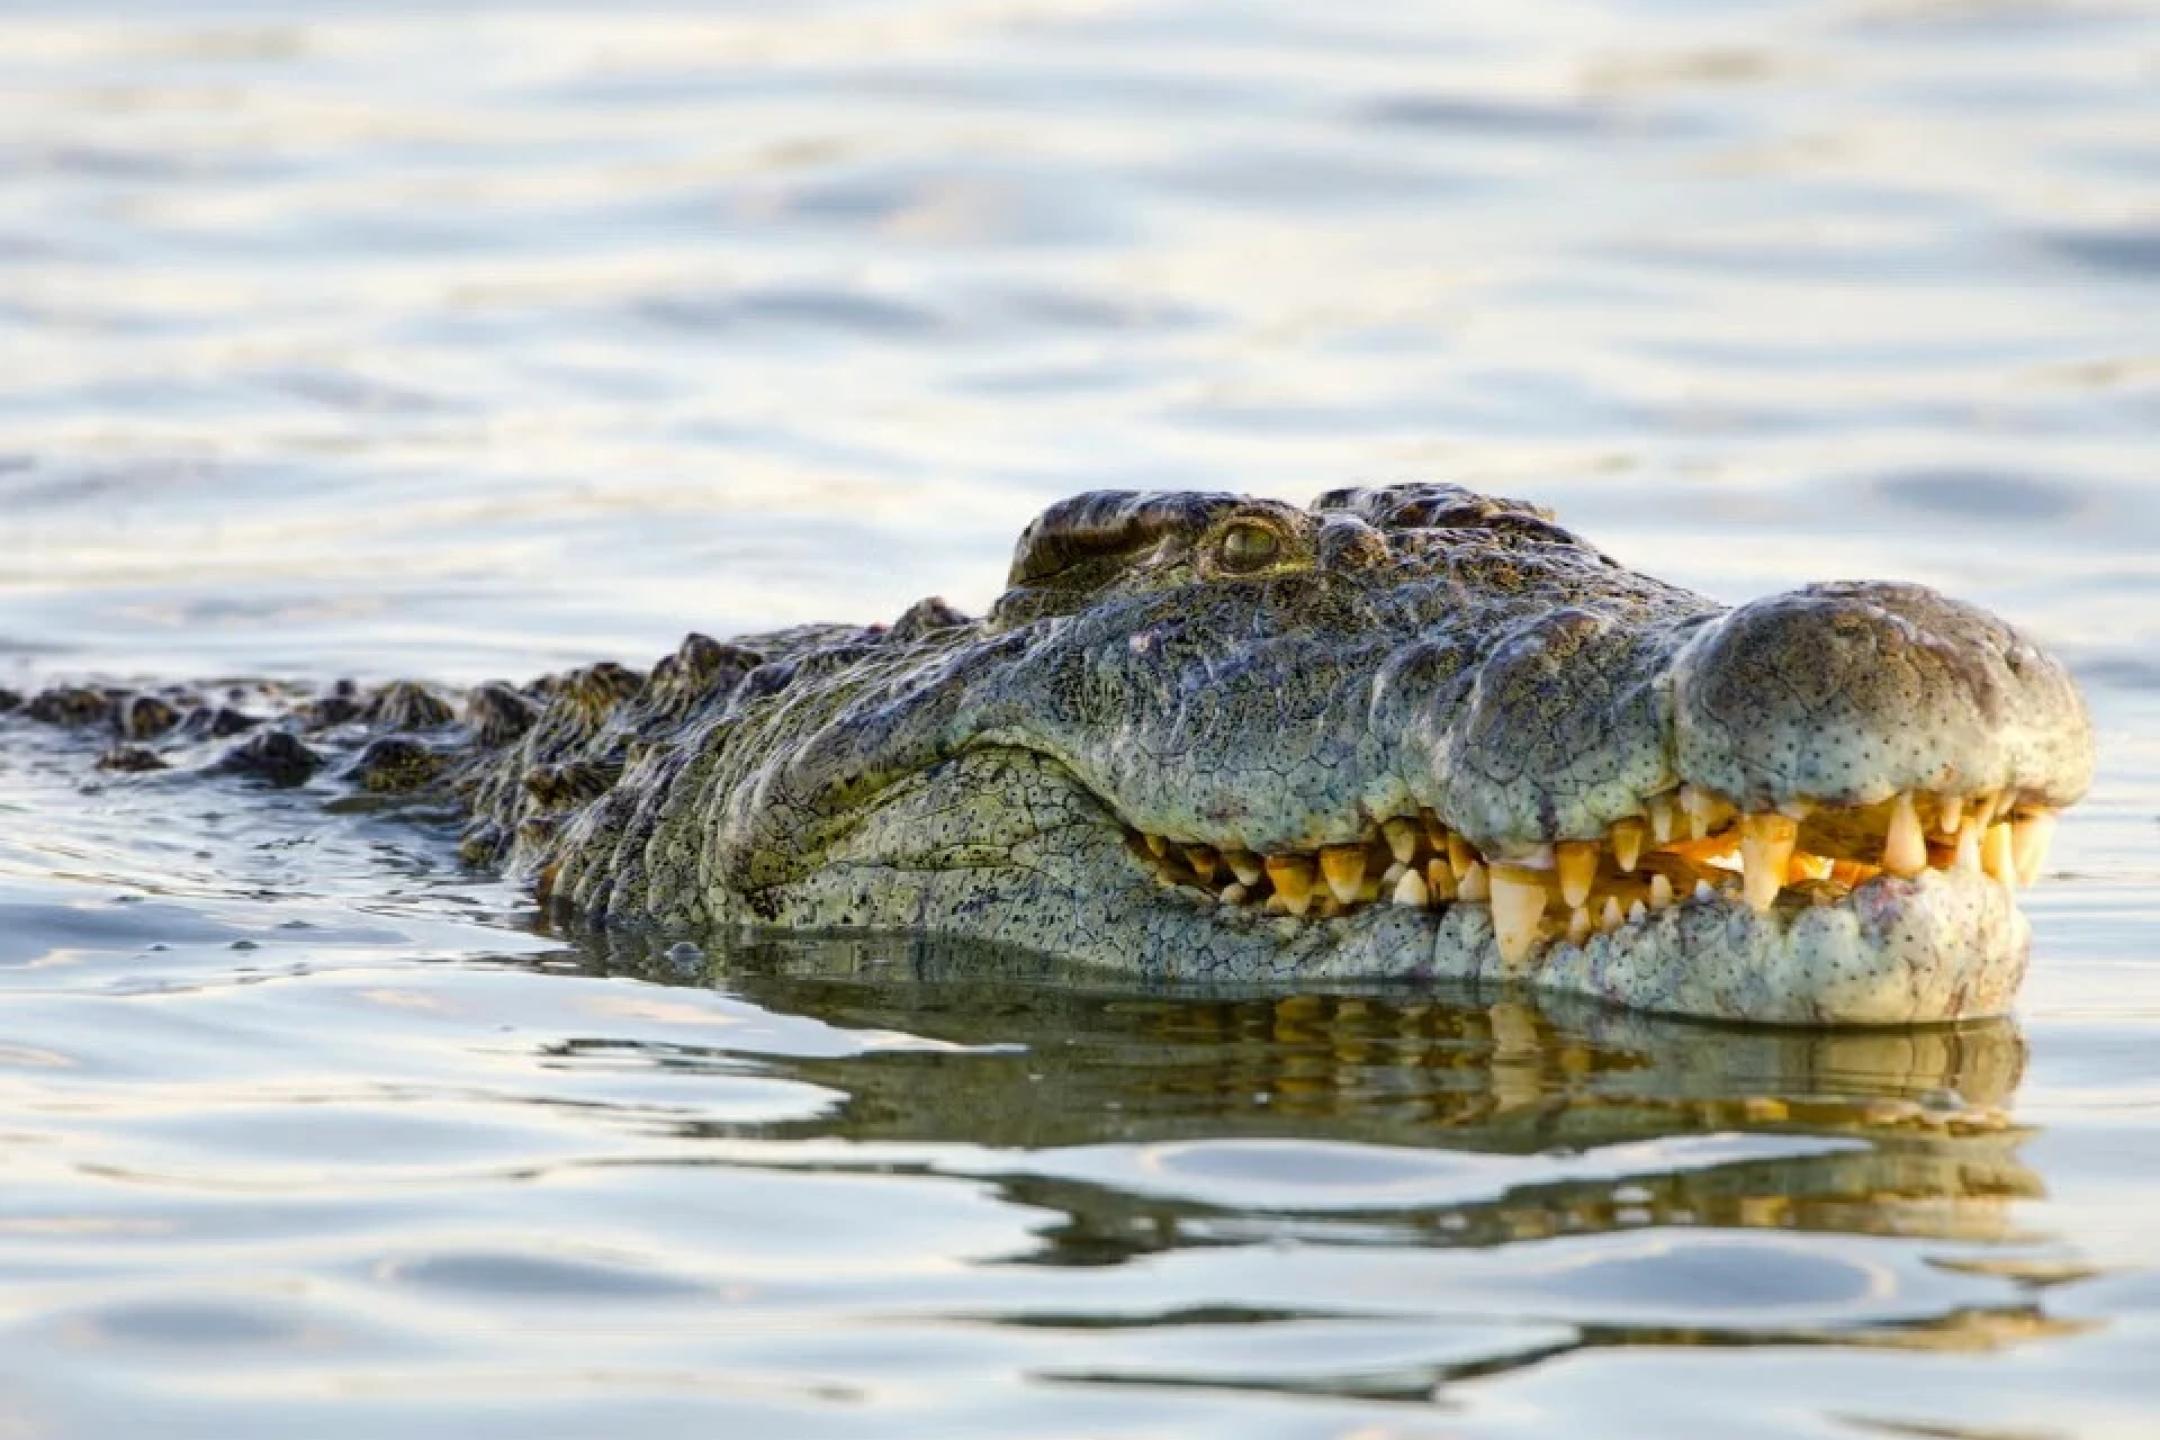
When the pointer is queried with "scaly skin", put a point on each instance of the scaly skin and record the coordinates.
(1216, 679)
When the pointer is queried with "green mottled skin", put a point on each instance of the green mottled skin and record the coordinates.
(1419, 646)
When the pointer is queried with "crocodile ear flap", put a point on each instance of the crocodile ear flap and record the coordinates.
(1077, 546)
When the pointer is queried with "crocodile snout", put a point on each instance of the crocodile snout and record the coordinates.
(1849, 693)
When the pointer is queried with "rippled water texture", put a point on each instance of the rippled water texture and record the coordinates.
(361, 340)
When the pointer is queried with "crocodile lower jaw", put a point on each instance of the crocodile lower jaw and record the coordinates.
(1691, 883)
(1946, 945)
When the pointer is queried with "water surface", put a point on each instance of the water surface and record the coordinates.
(373, 341)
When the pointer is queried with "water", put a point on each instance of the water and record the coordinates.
(378, 341)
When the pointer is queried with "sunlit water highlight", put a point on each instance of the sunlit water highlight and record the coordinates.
(359, 340)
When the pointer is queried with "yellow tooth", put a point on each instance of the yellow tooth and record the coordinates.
(1998, 853)
(1460, 855)
(1393, 873)
(1245, 865)
(1402, 838)
(1968, 846)
(1235, 895)
(1518, 904)
(1766, 846)
(1949, 813)
(1705, 811)
(1611, 917)
(1410, 890)
(1435, 832)
(1292, 878)
(1439, 880)
(1660, 892)
(1660, 809)
(1576, 861)
(1627, 842)
(1157, 846)
(1474, 883)
(1344, 867)
(1637, 913)
(1579, 925)
(1905, 847)
(1203, 859)
(2035, 832)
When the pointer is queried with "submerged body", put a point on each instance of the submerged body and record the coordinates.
(1405, 733)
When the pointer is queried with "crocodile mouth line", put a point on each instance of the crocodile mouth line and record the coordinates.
(1688, 844)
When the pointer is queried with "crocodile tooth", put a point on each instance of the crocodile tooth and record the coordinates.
(1905, 847)
(1998, 853)
(1439, 880)
(1234, 895)
(1518, 904)
(1393, 873)
(1435, 832)
(1203, 859)
(1949, 813)
(1637, 912)
(1627, 843)
(1704, 890)
(2035, 832)
(1157, 846)
(1292, 877)
(1661, 894)
(1576, 861)
(1410, 890)
(1245, 865)
(1660, 810)
(1402, 838)
(1474, 883)
(1701, 807)
(1766, 847)
(1611, 917)
(1968, 847)
(1579, 925)
(1344, 867)
(1460, 855)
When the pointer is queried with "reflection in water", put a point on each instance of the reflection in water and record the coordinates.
(1157, 1122)
(1059, 1061)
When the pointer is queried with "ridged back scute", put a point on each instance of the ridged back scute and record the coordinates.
(1436, 506)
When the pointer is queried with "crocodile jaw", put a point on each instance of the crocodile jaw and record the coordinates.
(1058, 873)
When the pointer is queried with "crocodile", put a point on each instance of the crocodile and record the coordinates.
(1408, 733)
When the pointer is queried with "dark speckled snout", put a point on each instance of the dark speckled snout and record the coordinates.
(1846, 694)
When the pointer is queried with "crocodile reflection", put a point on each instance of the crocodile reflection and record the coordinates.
(1921, 1141)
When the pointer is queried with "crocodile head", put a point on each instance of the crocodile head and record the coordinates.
(1411, 732)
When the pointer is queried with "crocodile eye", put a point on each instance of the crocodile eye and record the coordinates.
(1249, 546)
